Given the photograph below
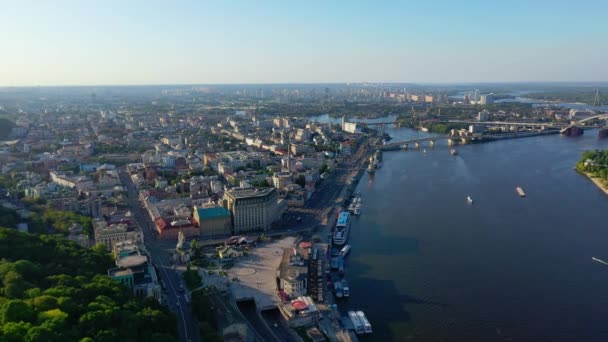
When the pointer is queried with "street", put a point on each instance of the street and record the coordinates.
(160, 257)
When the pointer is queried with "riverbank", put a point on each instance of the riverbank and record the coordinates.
(596, 180)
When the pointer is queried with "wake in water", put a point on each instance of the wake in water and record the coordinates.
(599, 260)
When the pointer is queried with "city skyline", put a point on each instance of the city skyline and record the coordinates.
(244, 43)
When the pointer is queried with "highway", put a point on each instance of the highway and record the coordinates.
(161, 258)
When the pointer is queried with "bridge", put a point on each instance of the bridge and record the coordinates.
(600, 117)
(404, 145)
(503, 123)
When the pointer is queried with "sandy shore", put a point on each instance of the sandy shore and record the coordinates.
(597, 182)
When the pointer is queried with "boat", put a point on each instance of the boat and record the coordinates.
(424, 151)
(469, 200)
(345, 289)
(338, 289)
(359, 329)
(371, 169)
(344, 251)
(342, 229)
(520, 192)
(366, 326)
(453, 152)
(378, 155)
(357, 210)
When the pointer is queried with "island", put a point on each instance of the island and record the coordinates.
(594, 164)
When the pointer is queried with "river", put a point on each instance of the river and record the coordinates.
(426, 266)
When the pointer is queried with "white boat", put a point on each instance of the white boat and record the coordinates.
(357, 210)
(453, 152)
(359, 329)
(345, 289)
(344, 251)
(366, 326)
(342, 228)
(469, 200)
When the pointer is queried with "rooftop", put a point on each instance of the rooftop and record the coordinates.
(249, 192)
(211, 213)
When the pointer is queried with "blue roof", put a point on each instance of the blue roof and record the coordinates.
(343, 218)
(210, 213)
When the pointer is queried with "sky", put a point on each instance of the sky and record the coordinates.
(207, 42)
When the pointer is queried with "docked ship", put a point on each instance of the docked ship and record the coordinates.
(366, 326)
(357, 210)
(378, 155)
(371, 168)
(345, 289)
(344, 251)
(359, 329)
(342, 229)
(341, 266)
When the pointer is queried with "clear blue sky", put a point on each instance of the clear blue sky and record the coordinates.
(157, 42)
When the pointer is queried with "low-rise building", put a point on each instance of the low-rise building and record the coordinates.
(292, 274)
(169, 229)
(134, 270)
(301, 311)
(212, 221)
(109, 235)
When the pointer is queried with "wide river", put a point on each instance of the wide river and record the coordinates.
(426, 266)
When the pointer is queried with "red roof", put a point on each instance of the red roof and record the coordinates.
(299, 305)
(305, 244)
(161, 223)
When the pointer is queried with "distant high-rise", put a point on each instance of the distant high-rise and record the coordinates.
(486, 99)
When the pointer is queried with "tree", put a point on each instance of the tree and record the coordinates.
(301, 180)
(17, 311)
(323, 168)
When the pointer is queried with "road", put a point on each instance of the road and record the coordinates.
(161, 258)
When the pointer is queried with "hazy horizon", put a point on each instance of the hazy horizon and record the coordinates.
(190, 43)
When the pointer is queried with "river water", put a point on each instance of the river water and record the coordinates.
(426, 266)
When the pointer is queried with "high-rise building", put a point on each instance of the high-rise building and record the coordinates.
(486, 99)
(253, 209)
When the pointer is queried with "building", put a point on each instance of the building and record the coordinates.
(316, 271)
(580, 113)
(168, 229)
(281, 179)
(109, 235)
(253, 209)
(484, 115)
(300, 312)
(486, 99)
(135, 271)
(292, 274)
(212, 221)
